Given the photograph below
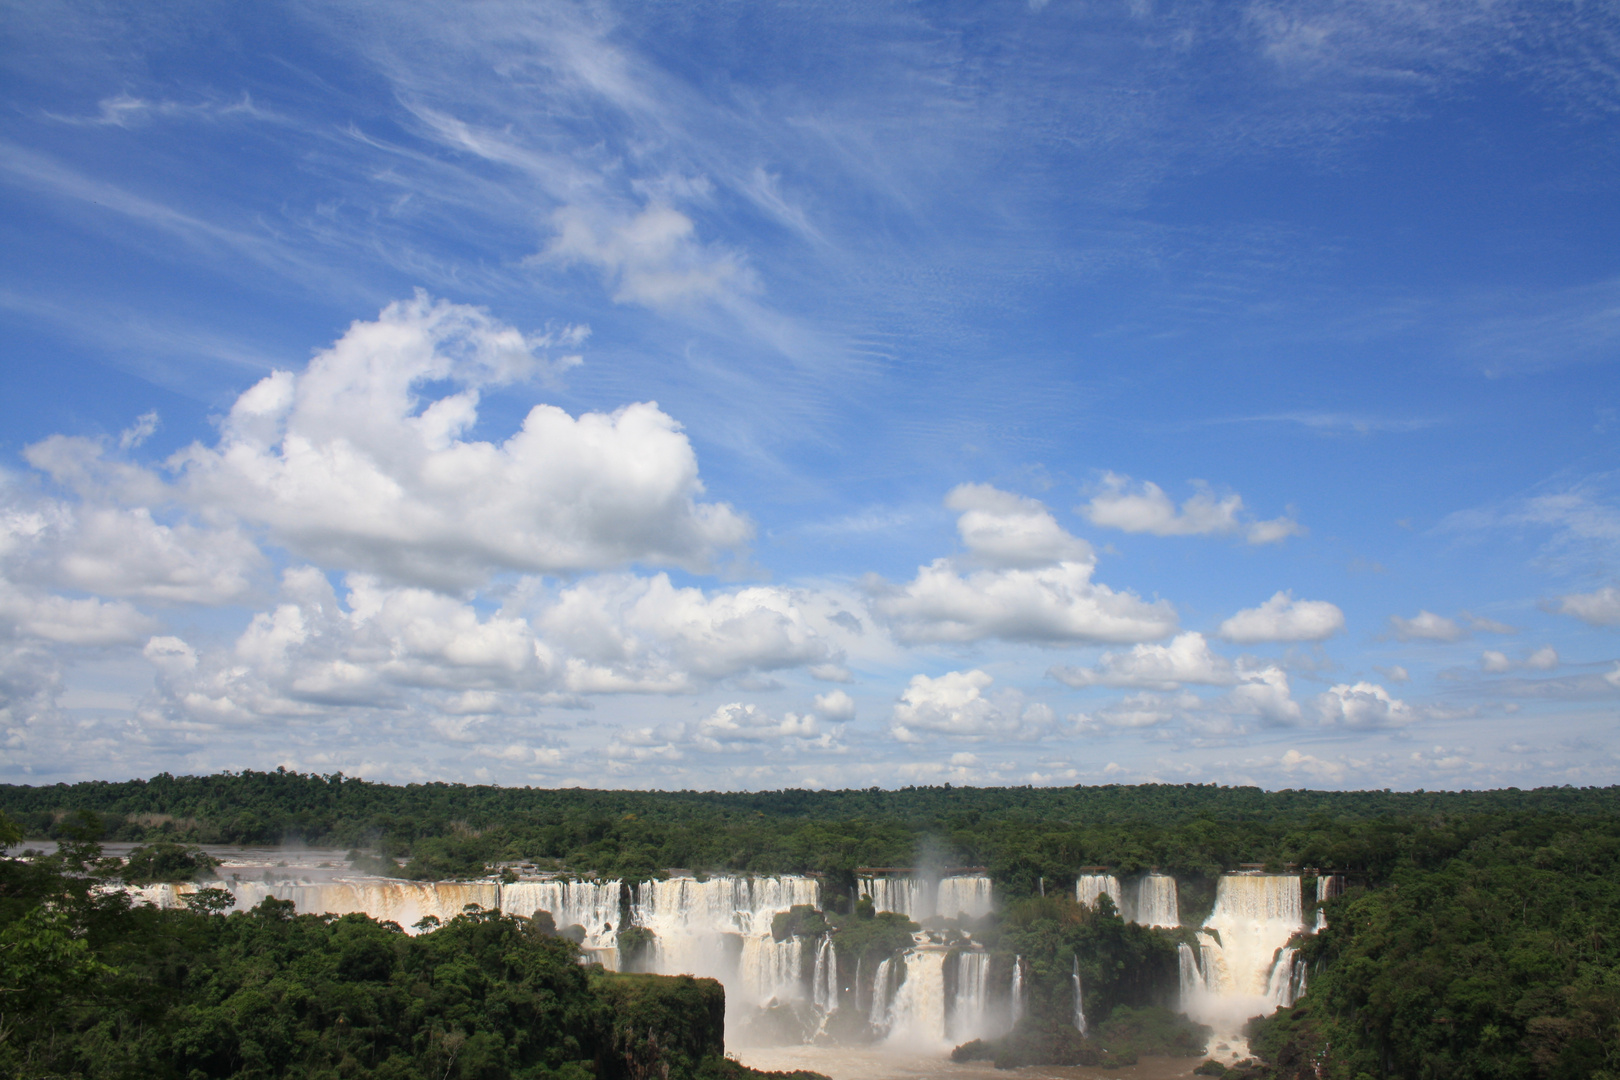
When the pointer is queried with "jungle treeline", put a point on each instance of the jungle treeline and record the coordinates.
(96, 987)
(1479, 936)
(1021, 835)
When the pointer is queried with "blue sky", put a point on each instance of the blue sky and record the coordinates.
(745, 396)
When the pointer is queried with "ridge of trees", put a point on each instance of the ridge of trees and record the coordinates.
(1021, 834)
(96, 987)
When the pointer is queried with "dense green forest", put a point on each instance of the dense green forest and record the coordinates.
(92, 986)
(1502, 962)
(1020, 834)
(1479, 936)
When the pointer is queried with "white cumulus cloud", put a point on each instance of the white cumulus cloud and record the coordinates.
(1002, 529)
(1145, 508)
(1599, 608)
(1282, 618)
(346, 464)
(1187, 658)
(1055, 604)
(1264, 694)
(955, 704)
(1363, 705)
(629, 633)
(1426, 626)
(836, 706)
(109, 550)
(1014, 601)
(737, 726)
(652, 257)
(86, 620)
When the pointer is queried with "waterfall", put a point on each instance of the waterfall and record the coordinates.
(769, 970)
(1328, 886)
(1244, 967)
(1282, 983)
(965, 896)
(879, 1015)
(917, 1013)
(591, 904)
(1150, 900)
(858, 962)
(1156, 902)
(969, 1013)
(904, 896)
(824, 982)
(1191, 979)
(386, 900)
(1015, 997)
(1079, 1005)
(721, 928)
(1091, 886)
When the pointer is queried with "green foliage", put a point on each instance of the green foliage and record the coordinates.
(634, 942)
(801, 920)
(1478, 939)
(165, 861)
(674, 1021)
(872, 939)
(10, 834)
(1501, 962)
(95, 988)
(1128, 1034)
(367, 862)
(1024, 835)
(1032, 1043)
(446, 858)
(1121, 964)
(1153, 1030)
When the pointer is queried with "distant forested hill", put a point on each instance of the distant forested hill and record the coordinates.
(1020, 834)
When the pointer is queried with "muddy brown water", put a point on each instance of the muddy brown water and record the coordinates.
(864, 1064)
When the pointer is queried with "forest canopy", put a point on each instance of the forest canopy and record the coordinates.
(1021, 835)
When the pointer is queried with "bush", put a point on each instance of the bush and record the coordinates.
(167, 862)
(801, 920)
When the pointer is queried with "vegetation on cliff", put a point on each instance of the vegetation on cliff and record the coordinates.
(92, 986)
(1127, 1035)
(1476, 939)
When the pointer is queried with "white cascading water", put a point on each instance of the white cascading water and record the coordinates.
(824, 981)
(917, 1014)
(593, 905)
(1015, 997)
(963, 896)
(1287, 979)
(768, 971)
(386, 900)
(721, 928)
(970, 1014)
(1150, 900)
(1244, 968)
(878, 1015)
(1157, 902)
(1079, 1004)
(906, 896)
(1091, 886)
(1328, 886)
